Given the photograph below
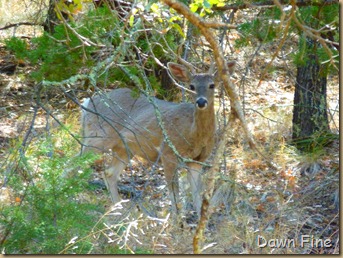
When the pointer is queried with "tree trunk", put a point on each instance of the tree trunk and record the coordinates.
(310, 109)
(51, 19)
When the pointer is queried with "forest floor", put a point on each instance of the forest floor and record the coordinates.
(252, 200)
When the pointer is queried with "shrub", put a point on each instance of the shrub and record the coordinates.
(47, 209)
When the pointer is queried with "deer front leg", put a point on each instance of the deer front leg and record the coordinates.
(170, 173)
(194, 178)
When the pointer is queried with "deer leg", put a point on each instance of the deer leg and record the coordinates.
(194, 178)
(112, 174)
(170, 173)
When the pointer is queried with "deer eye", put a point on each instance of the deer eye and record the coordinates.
(211, 86)
(192, 87)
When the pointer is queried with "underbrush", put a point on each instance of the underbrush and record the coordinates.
(44, 209)
(43, 212)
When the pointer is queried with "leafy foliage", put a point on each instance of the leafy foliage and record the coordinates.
(261, 29)
(204, 7)
(325, 17)
(68, 7)
(64, 53)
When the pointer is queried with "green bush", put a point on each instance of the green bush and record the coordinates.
(48, 211)
(63, 54)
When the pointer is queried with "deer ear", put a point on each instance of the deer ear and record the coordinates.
(231, 65)
(179, 72)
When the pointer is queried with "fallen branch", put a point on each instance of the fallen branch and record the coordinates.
(20, 24)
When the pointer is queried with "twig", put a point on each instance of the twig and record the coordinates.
(20, 24)
(39, 88)
(219, 25)
(258, 112)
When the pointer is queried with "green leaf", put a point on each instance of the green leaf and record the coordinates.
(213, 2)
(131, 21)
(179, 29)
(207, 4)
(175, 18)
(154, 7)
(194, 7)
(202, 13)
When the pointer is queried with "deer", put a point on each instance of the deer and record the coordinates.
(120, 123)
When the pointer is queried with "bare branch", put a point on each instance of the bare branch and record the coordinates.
(219, 25)
(20, 24)
(271, 3)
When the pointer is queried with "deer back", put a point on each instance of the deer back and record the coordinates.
(119, 120)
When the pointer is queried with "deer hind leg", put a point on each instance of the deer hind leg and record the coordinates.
(194, 178)
(112, 173)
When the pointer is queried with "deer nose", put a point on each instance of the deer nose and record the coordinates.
(201, 103)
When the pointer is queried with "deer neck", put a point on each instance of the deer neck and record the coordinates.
(203, 123)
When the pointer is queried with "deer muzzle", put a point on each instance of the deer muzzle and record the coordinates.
(201, 103)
